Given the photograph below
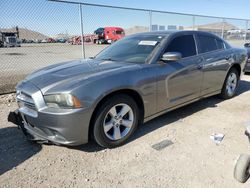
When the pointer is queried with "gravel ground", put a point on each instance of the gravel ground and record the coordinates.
(192, 160)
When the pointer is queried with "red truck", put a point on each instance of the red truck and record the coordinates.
(108, 34)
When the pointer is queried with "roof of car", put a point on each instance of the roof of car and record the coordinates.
(175, 31)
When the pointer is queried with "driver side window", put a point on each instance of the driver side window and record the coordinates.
(183, 44)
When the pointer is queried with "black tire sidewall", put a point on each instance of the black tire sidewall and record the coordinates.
(224, 93)
(98, 130)
(241, 167)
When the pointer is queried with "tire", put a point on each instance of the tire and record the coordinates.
(242, 168)
(104, 118)
(229, 88)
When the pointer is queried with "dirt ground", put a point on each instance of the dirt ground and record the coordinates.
(193, 160)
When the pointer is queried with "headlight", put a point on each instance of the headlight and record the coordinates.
(64, 100)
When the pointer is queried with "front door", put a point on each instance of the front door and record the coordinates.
(180, 81)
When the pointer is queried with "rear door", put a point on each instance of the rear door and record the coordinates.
(216, 59)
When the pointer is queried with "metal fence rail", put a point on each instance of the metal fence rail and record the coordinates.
(56, 30)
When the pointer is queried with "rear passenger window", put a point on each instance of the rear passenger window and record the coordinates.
(184, 44)
(220, 44)
(207, 44)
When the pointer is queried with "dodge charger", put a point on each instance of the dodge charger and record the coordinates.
(132, 81)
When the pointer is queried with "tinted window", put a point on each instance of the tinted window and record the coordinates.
(207, 44)
(99, 31)
(119, 32)
(184, 45)
(220, 44)
(227, 45)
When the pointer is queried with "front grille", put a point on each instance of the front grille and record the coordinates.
(26, 100)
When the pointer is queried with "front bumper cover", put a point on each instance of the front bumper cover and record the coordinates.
(41, 123)
(51, 128)
(16, 118)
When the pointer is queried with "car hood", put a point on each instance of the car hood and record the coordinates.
(62, 73)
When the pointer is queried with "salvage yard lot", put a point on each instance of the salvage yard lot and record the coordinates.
(16, 63)
(193, 160)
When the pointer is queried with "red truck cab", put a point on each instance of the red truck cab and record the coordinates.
(108, 34)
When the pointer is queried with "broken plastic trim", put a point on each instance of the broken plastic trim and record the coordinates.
(16, 118)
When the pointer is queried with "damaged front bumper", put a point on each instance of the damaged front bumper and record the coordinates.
(47, 134)
(17, 119)
(44, 124)
(60, 129)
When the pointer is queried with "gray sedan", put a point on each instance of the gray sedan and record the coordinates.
(133, 81)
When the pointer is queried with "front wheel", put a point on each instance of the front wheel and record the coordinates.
(116, 120)
(230, 85)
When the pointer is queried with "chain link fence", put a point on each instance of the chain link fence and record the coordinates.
(54, 31)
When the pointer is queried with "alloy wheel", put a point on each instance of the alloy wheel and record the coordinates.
(231, 84)
(118, 121)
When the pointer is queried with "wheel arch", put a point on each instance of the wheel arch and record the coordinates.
(130, 92)
(237, 67)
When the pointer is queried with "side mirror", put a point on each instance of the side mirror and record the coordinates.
(247, 45)
(171, 56)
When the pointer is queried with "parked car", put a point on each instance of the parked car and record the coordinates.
(37, 41)
(247, 68)
(109, 35)
(61, 40)
(51, 40)
(134, 80)
(44, 41)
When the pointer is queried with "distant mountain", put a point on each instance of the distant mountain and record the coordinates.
(136, 29)
(213, 26)
(26, 33)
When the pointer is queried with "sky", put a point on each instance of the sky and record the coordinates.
(51, 18)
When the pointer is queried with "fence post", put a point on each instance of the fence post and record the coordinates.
(223, 28)
(81, 25)
(150, 20)
(193, 22)
(246, 31)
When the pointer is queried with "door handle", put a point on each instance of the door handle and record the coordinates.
(200, 66)
(228, 57)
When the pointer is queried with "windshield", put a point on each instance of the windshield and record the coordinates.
(132, 49)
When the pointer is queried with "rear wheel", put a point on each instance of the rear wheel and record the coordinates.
(230, 85)
(116, 121)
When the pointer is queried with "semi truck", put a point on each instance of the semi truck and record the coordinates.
(108, 35)
(9, 39)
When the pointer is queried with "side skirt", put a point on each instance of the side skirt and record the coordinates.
(146, 119)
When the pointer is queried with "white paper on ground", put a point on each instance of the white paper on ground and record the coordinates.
(217, 137)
